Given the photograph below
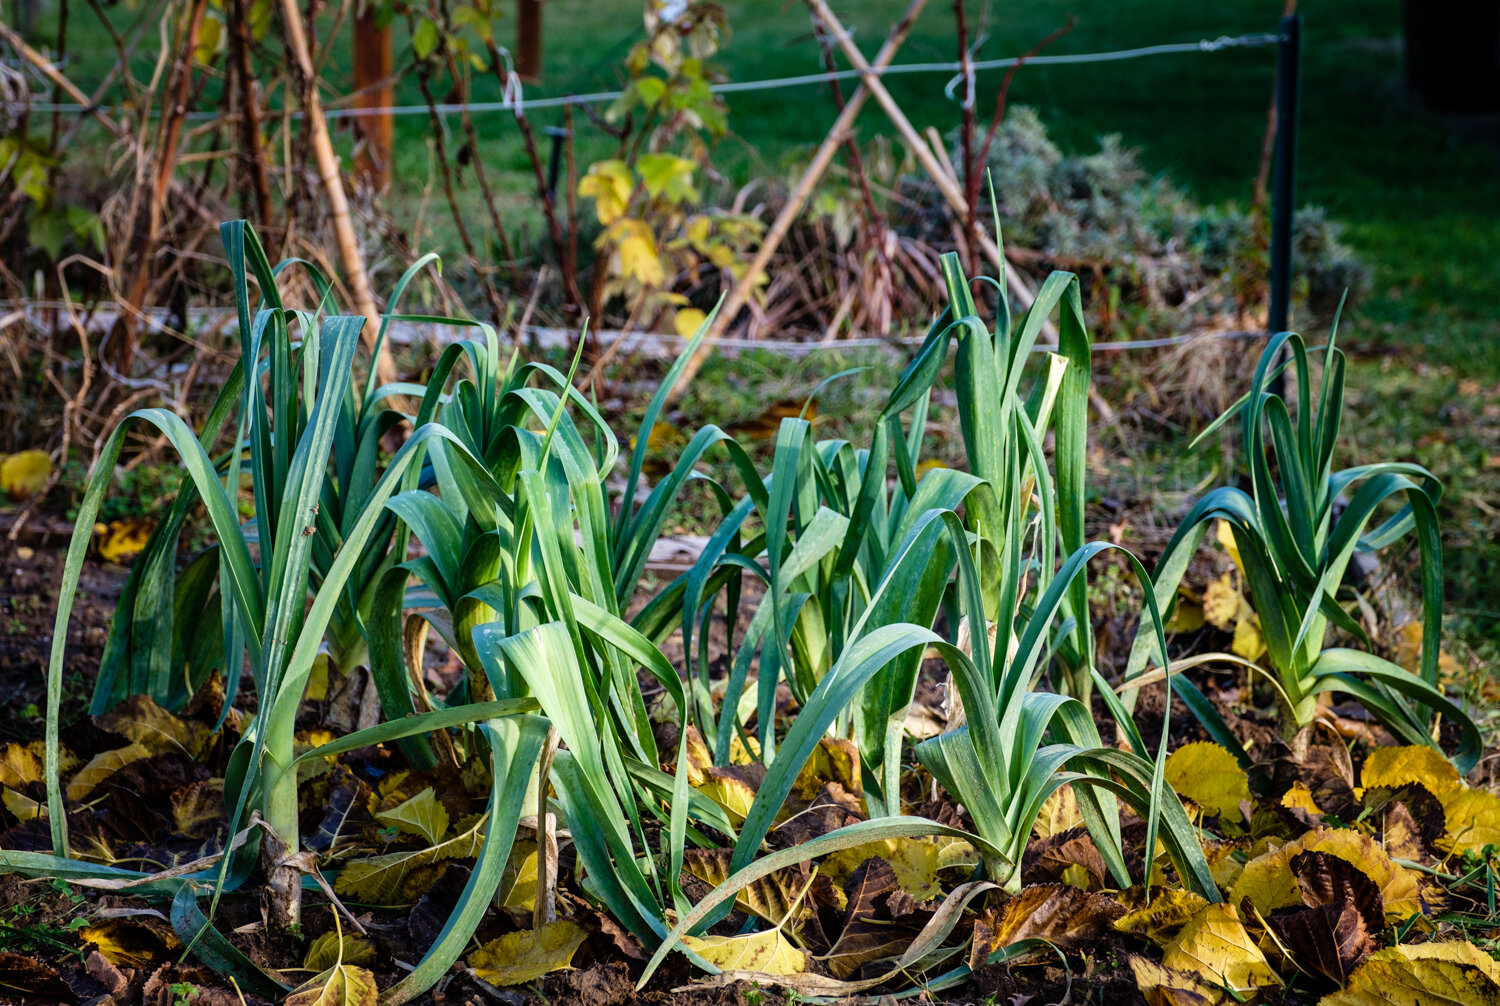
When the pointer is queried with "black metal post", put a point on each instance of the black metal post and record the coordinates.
(1288, 112)
(558, 135)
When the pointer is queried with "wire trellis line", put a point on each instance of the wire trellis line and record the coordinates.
(514, 102)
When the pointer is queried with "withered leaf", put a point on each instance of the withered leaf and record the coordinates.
(1163, 917)
(141, 720)
(773, 897)
(348, 794)
(102, 766)
(26, 976)
(1325, 879)
(1329, 939)
(1060, 914)
(133, 942)
(1065, 857)
(518, 958)
(1429, 974)
(868, 934)
(344, 985)
(198, 810)
(1162, 986)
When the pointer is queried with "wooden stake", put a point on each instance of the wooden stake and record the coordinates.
(529, 40)
(947, 184)
(333, 185)
(373, 66)
(740, 294)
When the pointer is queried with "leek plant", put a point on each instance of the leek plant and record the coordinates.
(1295, 533)
(277, 603)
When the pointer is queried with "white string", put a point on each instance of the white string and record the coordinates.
(512, 98)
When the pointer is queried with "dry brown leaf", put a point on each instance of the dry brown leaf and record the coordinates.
(1068, 856)
(868, 932)
(1328, 940)
(198, 809)
(1431, 974)
(22, 975)
(1215, 946)
(518, 958)
(141, 720)
(1061, 915)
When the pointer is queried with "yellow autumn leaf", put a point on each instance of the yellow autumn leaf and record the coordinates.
(1222, 602)
(24, 474)
(917, 862)
(344, 985)
(518, 958)
(1162, 986)
(1163, 918)
(1430, 974)
(131, 942)
(1208, 775)
(1187, 616)
(1059, 813)
(21, 764)
(102, 766)
(1215, 946)
(1248, 641)
(1473, 817)
(522, 892)
(1225, 535)
(767, 952)
(383, 880)
(1269, 883)
(639, 259)
(122, 540)
(730, 792)
(687, 321)
(141, 720)
(609, 184)
(333, 948)
(1417, 763)
(1299, 797)
(22, 807)
(423, 815)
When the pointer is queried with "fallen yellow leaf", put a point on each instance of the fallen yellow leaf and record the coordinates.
(1401, 766)
(122, 540)
(1431, 974)
(1160, 921)
(24, 474)
(1208, 775)
(1059, 813)
(344, 985)
(687, 321)
(1473, 817)
(518, 958)
(766, 952)
(1269, 883)
(332, 949)
(102, 766)
(1215, 946)
(1161, 986)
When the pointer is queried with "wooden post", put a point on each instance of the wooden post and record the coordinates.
(374, 88)
(529, 40)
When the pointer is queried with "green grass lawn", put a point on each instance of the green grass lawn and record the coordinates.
(1419, 203)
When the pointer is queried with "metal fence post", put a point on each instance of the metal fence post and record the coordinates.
(1288, 112)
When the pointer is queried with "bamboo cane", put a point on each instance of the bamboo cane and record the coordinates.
(740, 294)
(333, 185)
